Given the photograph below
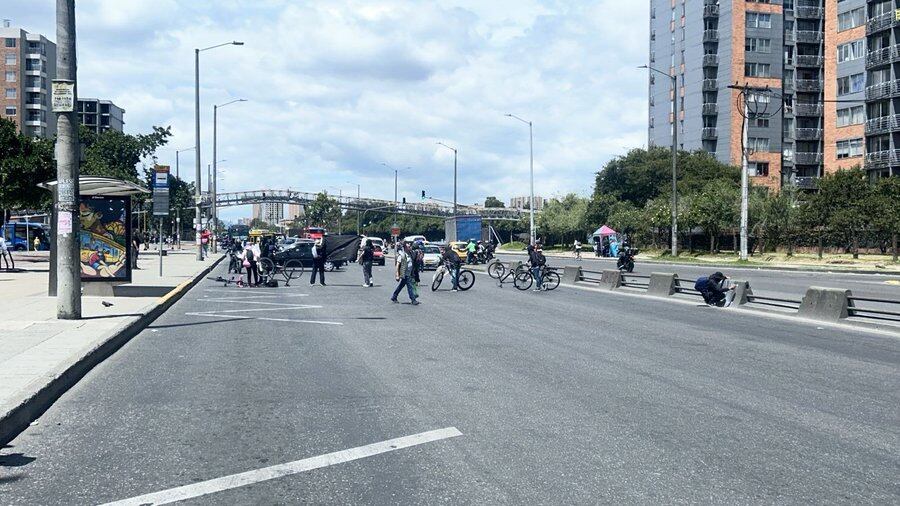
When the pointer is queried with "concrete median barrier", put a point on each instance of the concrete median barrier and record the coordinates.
(571, 274)
(742, 291)
(611, 279)
(826, 304)
(662, 284)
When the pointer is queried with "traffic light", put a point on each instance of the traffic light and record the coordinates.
(423, 194)
(404, 200)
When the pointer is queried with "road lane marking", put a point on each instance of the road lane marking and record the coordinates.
(281, 470)
(239, 317)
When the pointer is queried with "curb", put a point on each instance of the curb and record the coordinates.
(18, 418)
(812, 269)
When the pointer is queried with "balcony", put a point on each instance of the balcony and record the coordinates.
(808, 158)
(882, 90)
(880, 159)
(710, 60)
(809, 12)
(808, 134)
(806, 182)
(709, 134)
(804, 60)
(711, 36)
(880, 22)
(788, 37)
(813, 110)
(710, 11)
(809, 36)
(883, 124)
(710, 84)
(710, 109)
(787, 85)
(809, 85)
(883, 56)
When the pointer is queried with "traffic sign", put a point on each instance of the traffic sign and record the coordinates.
(161, 190)
(395, 231)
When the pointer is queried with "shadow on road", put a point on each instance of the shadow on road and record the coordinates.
(15, 460)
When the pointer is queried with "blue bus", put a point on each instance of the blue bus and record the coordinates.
(20, 235)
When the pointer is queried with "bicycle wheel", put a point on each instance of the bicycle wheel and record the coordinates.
(437, 281)
(496, 270)
(551, 280)
(266, 265)
(293, 269)
(466, 279)
(523, 280)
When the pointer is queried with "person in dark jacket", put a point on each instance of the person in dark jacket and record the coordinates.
(452, 263)
(366, 256)
(320, 254)
(713, 288)
(537, 265)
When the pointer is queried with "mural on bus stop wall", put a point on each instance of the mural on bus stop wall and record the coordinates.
(104, 239)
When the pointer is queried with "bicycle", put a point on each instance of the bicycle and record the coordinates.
(465, 278)
(501, 273)
(291, 269)
(550, 279)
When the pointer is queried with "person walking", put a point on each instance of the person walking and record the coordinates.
(251, 262)
(320, 254)
(136, 249)
(577, 247)
(404, 275)
(366, 256)
(7, 256)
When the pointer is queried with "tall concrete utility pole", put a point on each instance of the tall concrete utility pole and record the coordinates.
(68, 270)
(745, 192)
(455, 154)
(531, 158)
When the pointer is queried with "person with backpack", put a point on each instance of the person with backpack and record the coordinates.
(250, 261)
(714, 289)
(452, 263)
(320, 254)
(404, 275)
(366, 257)
(537, 259)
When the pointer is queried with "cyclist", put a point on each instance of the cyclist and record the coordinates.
(452, 263)
(577, 248)
(537, 260)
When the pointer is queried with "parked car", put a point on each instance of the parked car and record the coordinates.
(432, 256)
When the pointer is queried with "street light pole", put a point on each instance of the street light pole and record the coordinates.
(178, 205)
(531, 153)
(197, 198)
(68, 271)
(455, 153)
(215, 183)
(674, 155)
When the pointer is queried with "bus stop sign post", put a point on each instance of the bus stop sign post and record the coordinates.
(161, 203)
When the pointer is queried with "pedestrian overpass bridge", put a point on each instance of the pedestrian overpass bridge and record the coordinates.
(428, 208)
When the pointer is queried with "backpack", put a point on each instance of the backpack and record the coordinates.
(541, 258)
(250, 255)
(701, 284)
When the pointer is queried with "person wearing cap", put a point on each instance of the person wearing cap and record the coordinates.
(320, 254)
(714, 289)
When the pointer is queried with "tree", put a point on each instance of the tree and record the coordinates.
(716, 209)
(840, 204)
(884, 209)
(657, 216)
(627, 218)
(493, 202)
(778, 219)
(324, 211)
(116, 154)
(564, 219)
(24, 162)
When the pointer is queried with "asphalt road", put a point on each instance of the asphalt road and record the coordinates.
(560, 398)
(773, 282)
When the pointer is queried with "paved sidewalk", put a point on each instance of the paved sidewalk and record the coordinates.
(36, 349)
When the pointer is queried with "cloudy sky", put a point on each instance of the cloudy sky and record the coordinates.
(336, 87)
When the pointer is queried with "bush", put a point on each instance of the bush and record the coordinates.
(513, 246)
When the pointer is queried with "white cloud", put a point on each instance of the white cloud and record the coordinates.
(338, 87)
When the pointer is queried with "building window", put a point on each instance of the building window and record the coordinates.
(851, 19)
(851, 84)
(851, 50)
(849, 148)
(758, 168)
(759, 122)
(758, 144)
(10, 42)
(759, 20)
(10, 93)
(10, 110)
(757, 70)
(879, 8)
(755, 97)
(10, 59)
(755, 45)
(10, 76)
(850, 116)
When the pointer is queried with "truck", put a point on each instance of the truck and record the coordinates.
(462, 228)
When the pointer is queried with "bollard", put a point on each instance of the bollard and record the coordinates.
(571, 274)
(827, 304)
(611, 279)
(741, 292)
(662, 284)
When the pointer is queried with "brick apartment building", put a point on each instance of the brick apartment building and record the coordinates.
(829, 63)
(27, 67)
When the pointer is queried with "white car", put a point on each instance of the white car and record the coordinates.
(413, 238)
(376, 241)
(432, 256)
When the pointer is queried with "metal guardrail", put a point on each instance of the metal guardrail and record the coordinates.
(878, 314)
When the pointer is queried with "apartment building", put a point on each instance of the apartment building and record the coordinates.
(522, 203)
(100, 115)
(268, 212)
(27, 67)
(821, 75)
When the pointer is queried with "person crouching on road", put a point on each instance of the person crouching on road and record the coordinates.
(366, 256)
(319, 254)
(714, 290)
(404, 275)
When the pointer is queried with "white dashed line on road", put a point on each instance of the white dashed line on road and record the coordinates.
(281, 470)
